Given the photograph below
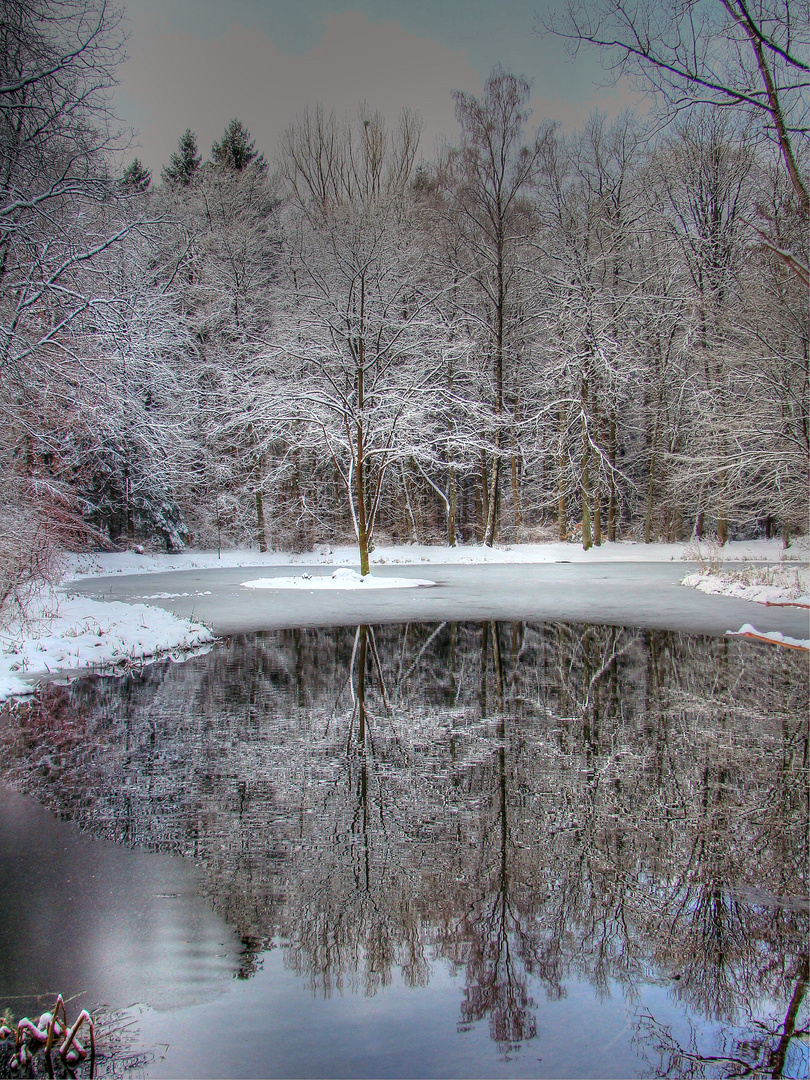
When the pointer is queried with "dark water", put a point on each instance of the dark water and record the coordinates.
(456, 850)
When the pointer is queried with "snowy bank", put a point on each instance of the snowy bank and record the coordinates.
(69, 635)
(781, 585)
(130, 562)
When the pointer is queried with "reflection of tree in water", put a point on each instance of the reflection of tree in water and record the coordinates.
(528, 804)
(759, 1046)
(490, 938)
(350, 912)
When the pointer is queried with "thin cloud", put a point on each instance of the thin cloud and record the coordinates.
(176, 80)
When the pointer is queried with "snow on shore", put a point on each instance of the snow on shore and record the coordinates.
(64, 635)
(67, 635)
(775, 586)
(770, 591)
(772, 637)
(130, 562)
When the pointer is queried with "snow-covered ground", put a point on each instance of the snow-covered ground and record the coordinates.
(781, 585)
(129, 562)
(66, 634)
(778, 586)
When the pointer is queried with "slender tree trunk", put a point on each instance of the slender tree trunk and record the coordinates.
(258, 469)
(360, 479)
(612, 500)
(597, 518)
(493, 500)
(484, 502)
(516, 491)
(408, 507)
(562, 510)
(360, 494)
(495, 475)
(587, 538)
(130, 509)
(261, 535)
(722, 512)
(652, 439)
(598, 428)
(650, 486)
(452, 506)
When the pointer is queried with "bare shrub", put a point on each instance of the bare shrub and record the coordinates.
(707, 553)
(39, 520)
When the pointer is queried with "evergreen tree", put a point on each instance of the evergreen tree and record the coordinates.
(236, 150)
(183, 165)
(137, 177)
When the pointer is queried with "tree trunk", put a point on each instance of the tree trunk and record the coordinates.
(516, 492)
(362, 525)
(722, 512)
(452, 506)
(649, 514)
(360, 495)
(408, 507)
(612, 500)
(130, 509)
(484, 501)
(562, 509)
(597, 519)
(495, 475)
(492, 501)
(587, 538)
(261, 535)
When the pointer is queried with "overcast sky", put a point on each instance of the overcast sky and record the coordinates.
(198, 63)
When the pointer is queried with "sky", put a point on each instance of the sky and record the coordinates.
(198, 63)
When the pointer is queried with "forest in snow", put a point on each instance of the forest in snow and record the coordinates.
(522, 334)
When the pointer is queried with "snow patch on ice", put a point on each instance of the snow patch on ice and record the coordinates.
(342, 578)
(171, 595)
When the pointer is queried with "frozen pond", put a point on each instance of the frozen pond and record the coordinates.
(464, 849)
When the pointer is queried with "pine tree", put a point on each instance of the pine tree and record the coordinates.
(137, 177)
(236, 150)
(183, 165)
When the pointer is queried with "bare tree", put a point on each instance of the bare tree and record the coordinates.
(353, 358)
(57, 65)
(489, 184)
(331, 162)
(590, 302)
(747, 55)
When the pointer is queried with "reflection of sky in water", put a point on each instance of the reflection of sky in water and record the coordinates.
(478, 846)
(277, 1028)
(280, 1029)
(118, 925)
